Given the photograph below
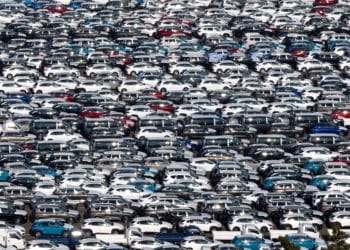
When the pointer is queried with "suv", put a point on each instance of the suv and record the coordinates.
(56, 211)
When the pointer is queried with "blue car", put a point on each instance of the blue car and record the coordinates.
(249, 242)
(21, 96)
(49, 227)
(301, 240)
(144, 185)
(315, 166)
(268, 183)
(328, 127)
(45, 170)
(321, 181)
(4, 175)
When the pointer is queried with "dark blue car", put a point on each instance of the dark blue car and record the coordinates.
(328, 127)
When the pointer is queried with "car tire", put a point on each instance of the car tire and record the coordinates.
(288, 227)
(92, 75)
(37, 234)
(163, 90)
(17, 220)
(125, 219)
(88, 233)
(70, 220)
(50, 75)
(164, 230)
(176, 72)
(115, 231)
(236, 229)
(65, 234)
(264, 230)
(9, 76)
(213, 229)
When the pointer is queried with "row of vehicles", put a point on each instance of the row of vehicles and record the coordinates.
(167, 125)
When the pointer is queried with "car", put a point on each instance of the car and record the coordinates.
(151, 225)
(49, 227)
(100, 226)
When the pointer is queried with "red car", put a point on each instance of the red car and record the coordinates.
(93, 112)
(343, 158)
(299, 52)
(162, 105)
(169, 32)
(325, 2)
(321, 10)
(342, 114)
(56, 8)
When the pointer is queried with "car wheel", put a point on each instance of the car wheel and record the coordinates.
(65, 234)
(70, 220)
(213, 229)
(176, 72)
(346, 68)
(39, 92)
(18, 220)
(92, 75)
(236, 229)
(163, 90)
(185, 89)
(163, 230)
(288, 227)
(115, 231)
(125, 219)
(50, 75)
(37, 234)
(9, 76)
(88, 233)
(264, 230)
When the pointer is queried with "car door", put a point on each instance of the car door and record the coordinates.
(54, 228)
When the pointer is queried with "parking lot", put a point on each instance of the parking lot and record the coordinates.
(174, 124)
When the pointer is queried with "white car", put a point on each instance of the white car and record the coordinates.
(342, 218)
(131, 86)
(139, 111)
(150, 132)
(171, 85)
(47, 87)
(150, 243)
(223, 66)
(45, 188)
(45, 245)
(198, 243)
(137, 68)
(98, 69)
(62, 135)
(293, 221)
(15, 69)
(179, 67)
(151, 225)
(203, 223)
(213, 85)
(20, 109)
(128, 191)
(237, 223)
(58, 69)
(93, 244)
(11, 87)
(95, 187)
(94, 226)
(318, 153)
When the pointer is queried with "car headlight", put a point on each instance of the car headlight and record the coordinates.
(76, 234)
